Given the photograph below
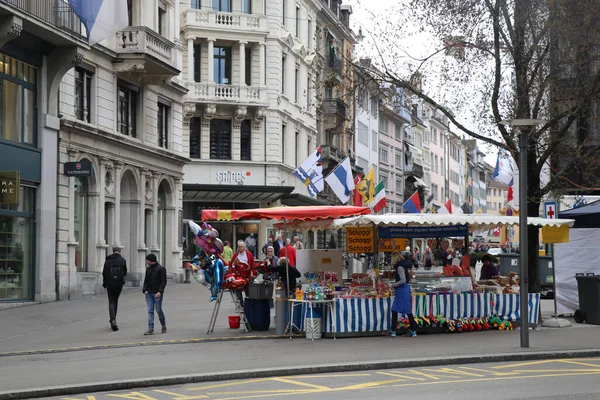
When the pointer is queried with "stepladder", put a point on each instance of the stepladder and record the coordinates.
(236, 298)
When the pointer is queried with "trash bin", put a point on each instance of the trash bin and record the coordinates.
(588, 286)
(313, 324)
(258, 314)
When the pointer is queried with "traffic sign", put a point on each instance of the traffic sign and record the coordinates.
(550, 210)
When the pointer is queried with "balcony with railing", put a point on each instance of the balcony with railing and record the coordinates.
(221, 22)
(330, 152)
(53, 21)
(204, 92)
(440, 117)
(335, 64)
(414, 169)
(139, 45)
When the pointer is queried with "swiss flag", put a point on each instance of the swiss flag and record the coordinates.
(448, 206)
(357, 199)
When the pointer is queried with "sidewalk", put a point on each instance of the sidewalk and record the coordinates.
(85, 323)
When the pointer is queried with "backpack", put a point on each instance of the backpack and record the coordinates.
(116, 274)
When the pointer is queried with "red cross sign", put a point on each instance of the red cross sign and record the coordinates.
(550, 209)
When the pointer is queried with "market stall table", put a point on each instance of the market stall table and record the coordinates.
(355, 316)
(306, 304)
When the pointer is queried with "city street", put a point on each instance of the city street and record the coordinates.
(574, 379)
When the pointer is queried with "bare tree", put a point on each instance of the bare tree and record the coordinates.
(498, 60)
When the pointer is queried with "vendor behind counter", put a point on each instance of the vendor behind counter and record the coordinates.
(489, 269)
(281, 271)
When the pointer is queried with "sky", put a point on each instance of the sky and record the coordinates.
(368, 15)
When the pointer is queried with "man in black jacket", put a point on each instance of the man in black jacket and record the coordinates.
(113, 279)
(154, 289)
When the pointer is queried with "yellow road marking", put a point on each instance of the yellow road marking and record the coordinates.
(398, 375)
(452, 372)
(218, 385)
(485, 371)
(557, 370)
(280, 391)
(440, 382)
(523, 364)
(435, 378)
(76, 398)
(367, 385)
(133, 396)
(579, 363)
(178, 396)
(325, 376)
(294, 382)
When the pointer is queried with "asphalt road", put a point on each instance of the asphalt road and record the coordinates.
(573, 379)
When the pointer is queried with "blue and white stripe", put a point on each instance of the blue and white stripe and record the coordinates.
(101, 18)
(374, 315)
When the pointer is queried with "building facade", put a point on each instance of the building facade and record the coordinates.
(335, 87)
(40, 41)
(121, 114)
(398, 157)
(366, 140)
(250, 113)
(476, 178)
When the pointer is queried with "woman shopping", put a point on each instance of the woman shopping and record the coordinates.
(402, 299)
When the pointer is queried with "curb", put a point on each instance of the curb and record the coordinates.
(139, 344)
(316, 369)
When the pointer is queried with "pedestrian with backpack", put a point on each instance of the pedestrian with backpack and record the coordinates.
(113, 279)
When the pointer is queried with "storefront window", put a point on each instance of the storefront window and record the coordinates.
(81, 223)
(161, 224)
(17, 248)
(17, 101)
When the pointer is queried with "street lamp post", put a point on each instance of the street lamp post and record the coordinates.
(523, 227)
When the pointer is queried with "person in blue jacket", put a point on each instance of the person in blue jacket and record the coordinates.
(402, 299)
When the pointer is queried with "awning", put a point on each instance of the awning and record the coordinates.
(235, 193)
(475, 221)
(286, 213)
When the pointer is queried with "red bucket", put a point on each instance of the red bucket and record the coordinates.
(234, 321)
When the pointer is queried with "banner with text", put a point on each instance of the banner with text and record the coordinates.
(422, 232)
(388, 245)
(359, 240)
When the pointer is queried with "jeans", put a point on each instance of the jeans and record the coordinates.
(152, 302)
(113, 301)
(411, 321)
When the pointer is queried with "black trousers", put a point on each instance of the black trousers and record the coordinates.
(411, 321)
(113, 300)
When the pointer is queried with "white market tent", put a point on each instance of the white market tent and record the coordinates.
(475, 221)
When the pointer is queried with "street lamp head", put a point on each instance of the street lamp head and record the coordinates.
(522, 122)
(360, 37)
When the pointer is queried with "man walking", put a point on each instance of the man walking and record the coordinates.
(154, 289)
(113, 279)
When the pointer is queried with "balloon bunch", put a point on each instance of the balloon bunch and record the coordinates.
(239, 274)
(207, 267)
(209, 271)
(207, 238)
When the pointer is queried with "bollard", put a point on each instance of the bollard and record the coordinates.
(187, 275)
(280, 308)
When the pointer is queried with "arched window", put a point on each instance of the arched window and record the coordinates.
(81, 231)
(161, 223)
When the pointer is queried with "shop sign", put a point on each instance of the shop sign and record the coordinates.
(80, 168)
(359, 240)
(423, 232)
(389, 245)
(10, 187)
(232, 177)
